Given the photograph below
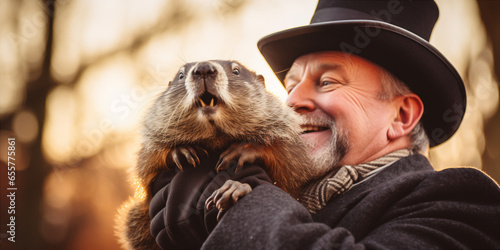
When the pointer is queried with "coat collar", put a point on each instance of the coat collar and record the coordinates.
(398, 171)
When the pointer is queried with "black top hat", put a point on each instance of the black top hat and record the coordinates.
(393, 34)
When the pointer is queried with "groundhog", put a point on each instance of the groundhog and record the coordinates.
(209, 106)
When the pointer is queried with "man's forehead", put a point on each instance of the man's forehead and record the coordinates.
(318, 66)
(320, 61)
(328, 60)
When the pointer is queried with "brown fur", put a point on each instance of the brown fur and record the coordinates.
(245, 113)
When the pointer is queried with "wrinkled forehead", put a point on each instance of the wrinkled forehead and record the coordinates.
(312, 63)
(330, 57)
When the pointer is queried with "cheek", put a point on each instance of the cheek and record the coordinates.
(359, 115)
(346, 108)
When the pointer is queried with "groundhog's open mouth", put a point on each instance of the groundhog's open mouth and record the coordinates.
(207, 100)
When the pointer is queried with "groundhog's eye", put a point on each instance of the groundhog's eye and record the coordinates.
(181, 75)
(236, 70)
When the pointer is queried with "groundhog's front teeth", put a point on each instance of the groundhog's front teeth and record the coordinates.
(203, 104)
(207, 98)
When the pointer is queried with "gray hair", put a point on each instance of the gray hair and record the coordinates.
(392, 87)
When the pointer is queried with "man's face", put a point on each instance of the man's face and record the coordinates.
(337, 94)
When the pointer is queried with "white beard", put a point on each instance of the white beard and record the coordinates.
(328, 157)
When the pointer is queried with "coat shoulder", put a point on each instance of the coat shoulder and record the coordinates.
(466, 179)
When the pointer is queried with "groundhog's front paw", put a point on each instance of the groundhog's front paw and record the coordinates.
(243, 152)
(186, 154)
(226, 196)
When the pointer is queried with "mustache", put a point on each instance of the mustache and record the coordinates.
(317, 120)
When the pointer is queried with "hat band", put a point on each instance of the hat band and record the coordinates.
(340, 14)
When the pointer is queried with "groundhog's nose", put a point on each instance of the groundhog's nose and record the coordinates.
(203, 70)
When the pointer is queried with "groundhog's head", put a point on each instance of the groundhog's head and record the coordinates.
(211, 102)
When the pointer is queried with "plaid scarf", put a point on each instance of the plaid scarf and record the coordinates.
(315, 196)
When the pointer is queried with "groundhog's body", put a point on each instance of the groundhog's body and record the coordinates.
(212, 105)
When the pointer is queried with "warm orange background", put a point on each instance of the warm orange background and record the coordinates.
(76, 80)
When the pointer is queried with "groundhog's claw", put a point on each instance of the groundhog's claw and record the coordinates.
(188, 153)
(226, 196)
(245, 152)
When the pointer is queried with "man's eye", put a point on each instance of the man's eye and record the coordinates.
(328, 83)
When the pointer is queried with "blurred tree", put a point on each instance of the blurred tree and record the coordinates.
(37, 88)
(490, 14)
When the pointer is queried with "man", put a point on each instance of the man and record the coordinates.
(374, 95)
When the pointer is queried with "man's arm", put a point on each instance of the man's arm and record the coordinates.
(177, 210)
(433, 212)
(268, 218)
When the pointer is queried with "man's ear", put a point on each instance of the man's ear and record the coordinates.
(410, 109)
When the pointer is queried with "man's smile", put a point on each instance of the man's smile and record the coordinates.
(312, 128)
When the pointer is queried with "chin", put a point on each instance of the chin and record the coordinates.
(323, 160)
(327, 147)
(327, 156)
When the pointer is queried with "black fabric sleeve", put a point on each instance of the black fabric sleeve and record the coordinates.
(179, 217)
(268, 218)
(450, 209)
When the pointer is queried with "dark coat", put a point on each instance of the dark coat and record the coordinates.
(408, 205)
(179, 217)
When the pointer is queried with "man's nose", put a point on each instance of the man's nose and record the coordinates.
(301, 98)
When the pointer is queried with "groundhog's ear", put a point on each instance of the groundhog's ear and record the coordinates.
(260, 78)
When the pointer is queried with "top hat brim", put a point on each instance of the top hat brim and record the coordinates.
(407, 56)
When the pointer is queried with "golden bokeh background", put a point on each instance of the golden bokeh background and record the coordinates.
(77, 76)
